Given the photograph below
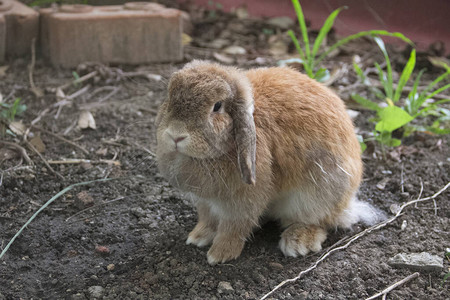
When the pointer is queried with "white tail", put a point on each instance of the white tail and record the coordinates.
(359, 211)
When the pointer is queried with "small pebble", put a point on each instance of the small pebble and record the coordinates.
(102, 250)
(405, 195)
(96, 291)
(224, 287)
(110, 267)
(276, 265)
(404, 224)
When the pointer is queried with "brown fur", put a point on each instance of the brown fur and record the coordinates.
(305, 150)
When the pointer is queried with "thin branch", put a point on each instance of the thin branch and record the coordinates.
(36, 91)
(94, 206)
(79, 161)
(79, 80)
(61, 138)
(43, 159)
(21, 150)
(395, 285)
(354, 238)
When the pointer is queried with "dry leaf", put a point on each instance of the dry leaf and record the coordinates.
(223, 58)
(60, 94)
(242, 12)
(1, 98)
(3, 70)
(382, 184)
(38, 144)
(17, 128)
(186, 39)
(86, 120)
(102, 151)
(83, 200)
(440, 62)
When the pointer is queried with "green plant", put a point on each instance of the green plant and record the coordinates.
(9, 111)
(310, 56)
(398, 113)
(446, 276)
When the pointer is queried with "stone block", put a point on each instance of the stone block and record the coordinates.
(19, 25)
(135, 33)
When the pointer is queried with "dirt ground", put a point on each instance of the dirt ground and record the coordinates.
(131, 243)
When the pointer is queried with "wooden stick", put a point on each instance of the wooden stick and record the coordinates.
(395, 285)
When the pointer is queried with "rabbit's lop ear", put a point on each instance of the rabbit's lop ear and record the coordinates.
(245, 137)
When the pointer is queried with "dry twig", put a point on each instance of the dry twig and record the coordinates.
(88, 161)
(94, 206)
(43, 159)
(354, 238)
(78, 80)
(61, 138)
(36, 91)
(21, 150)
(395, 285)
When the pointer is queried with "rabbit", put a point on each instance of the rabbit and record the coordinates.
(263, 143)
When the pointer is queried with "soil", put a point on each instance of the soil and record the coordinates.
(130, 244)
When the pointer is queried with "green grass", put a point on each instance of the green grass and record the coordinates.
(47, 204)
(398, 114)
(313, 55)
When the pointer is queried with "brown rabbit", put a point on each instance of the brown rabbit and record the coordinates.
(266, 142)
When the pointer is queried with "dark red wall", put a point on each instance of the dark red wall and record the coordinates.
(424, 21)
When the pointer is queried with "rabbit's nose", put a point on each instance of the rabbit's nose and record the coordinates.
(178, 139)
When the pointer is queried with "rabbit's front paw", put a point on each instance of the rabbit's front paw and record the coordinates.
(225, 248)
(201, 235)
(300, 239)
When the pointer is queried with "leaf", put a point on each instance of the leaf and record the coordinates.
(440, 62)
(38, 144)
(383, 80)
(322, 75)
(86, 120)
(301, 21)
(361, 34)
(360, 74)
(361, 143)
(392, 117)
(406, 74)
(389, 83)
(366, 102)
(327, 25)
(413, 96)
(17, 128)
(432, 107)
(438, 91)
(3, 70)
(301, 53)
(422, 95)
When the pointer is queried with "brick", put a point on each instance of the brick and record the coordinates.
(135, 33)
(19, 25)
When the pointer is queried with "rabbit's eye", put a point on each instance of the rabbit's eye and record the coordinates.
(217, 106)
